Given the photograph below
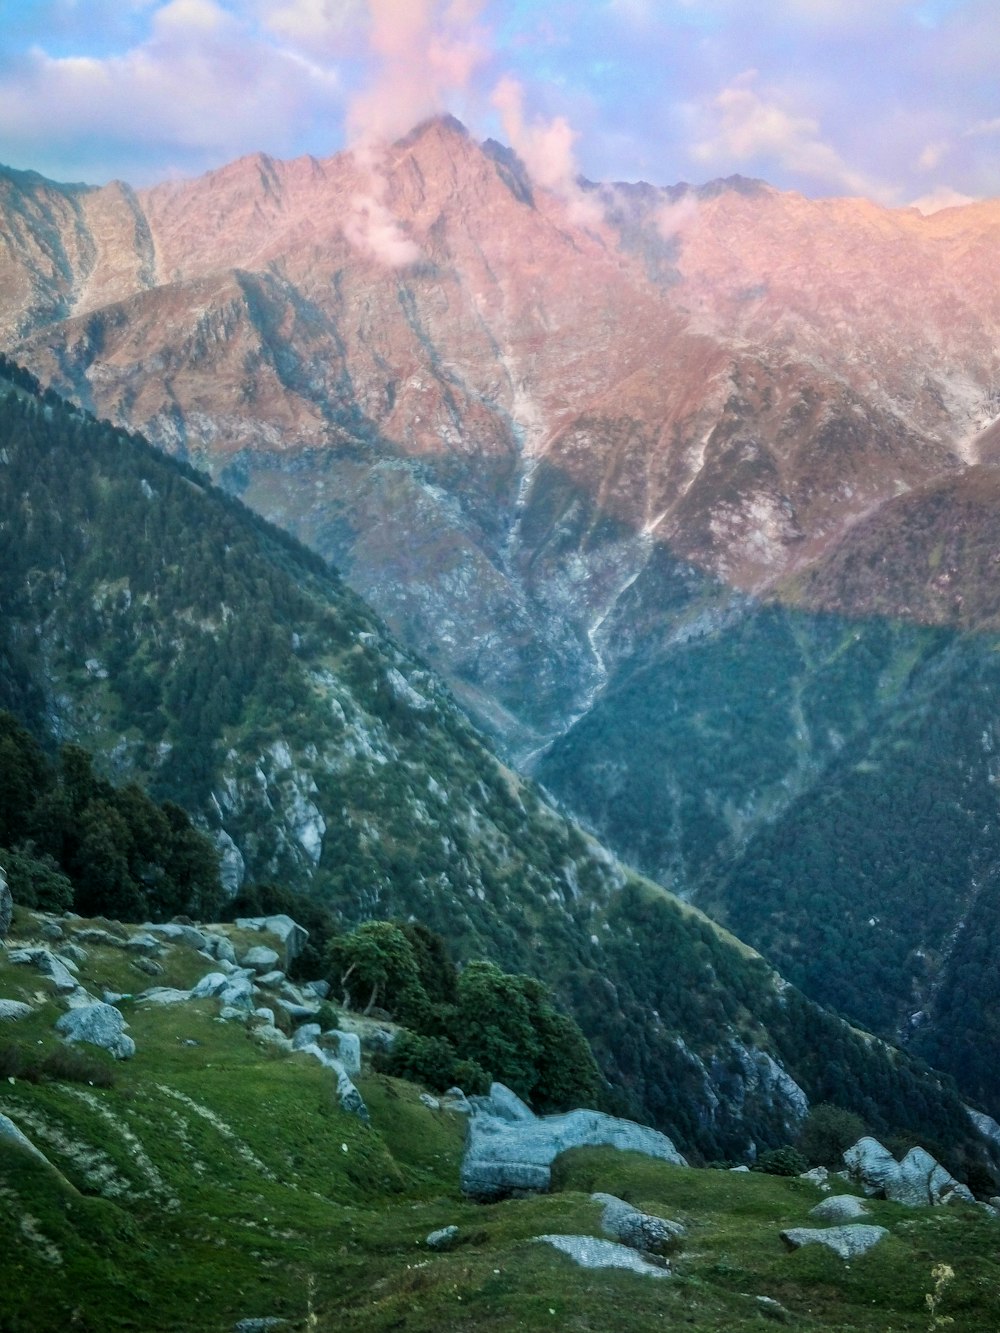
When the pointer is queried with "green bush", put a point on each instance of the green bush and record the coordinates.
(787, 1161)
(826, 1132)
(427, 1060)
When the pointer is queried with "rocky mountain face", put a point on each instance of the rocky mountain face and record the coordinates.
(687, 493)
(422, 343)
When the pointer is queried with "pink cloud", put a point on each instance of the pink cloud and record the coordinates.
(546, 149)
(426, 53)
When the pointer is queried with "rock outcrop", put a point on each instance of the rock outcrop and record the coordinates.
(848, 1242)
(918, 1180)
(510, 1150)
(591, 1253)
(638, 1230)
(99, 1024)
(292, 936)
(839, 1208)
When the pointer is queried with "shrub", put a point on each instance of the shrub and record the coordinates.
(428, 1060)
(826, 1131)
(787, 1161)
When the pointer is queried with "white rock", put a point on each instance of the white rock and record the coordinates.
(591, 1253)
(847, 1242)
(99, 1024)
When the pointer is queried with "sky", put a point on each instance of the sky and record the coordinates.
(896, 100)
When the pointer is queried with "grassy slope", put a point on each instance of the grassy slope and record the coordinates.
(220, 1180)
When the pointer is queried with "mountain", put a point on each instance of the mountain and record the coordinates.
(731, 375)
(206, 654)
(648, 479)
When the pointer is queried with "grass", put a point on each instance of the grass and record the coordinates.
(218, 1180)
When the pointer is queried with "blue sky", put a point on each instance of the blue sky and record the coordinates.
(898, 100)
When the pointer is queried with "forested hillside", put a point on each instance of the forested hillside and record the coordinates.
(196, 649)
(826, 785)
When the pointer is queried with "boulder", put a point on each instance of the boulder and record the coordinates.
(260, 958)
(210, 985)
(818, 1175)
(847, 1242)
(591, 1253)
(273, 1036)
(164, 995)
(870, 1165)
(145, 944)
(271, 980)
(430, 1102)
(319, 989)
(513, 1151)
(299, 1013)
(292, 936)
(51, 930)
(220, 948)
(922, 1181)
(348, 1049)
(839, 1208)
(503, 1104)
(238, 993)
(350, 1099)
(58, 970)
(638, 1230)
(6, 906)
(170, 930)
(99, 1024)
(11, 1011)
(306, 1035)
(443, 1239)
(192, 935)
(919, 1180)
(9, 1133)
(455, 1100)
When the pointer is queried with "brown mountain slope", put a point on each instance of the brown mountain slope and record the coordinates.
(494, 417)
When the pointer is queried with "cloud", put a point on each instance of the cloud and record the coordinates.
(983, 128)
(200, 86)
(426, 53)
(933, 154)
(322, 28)
(546, 149)
(370, 225)
(673, 218)
(943, 196)
(748, 128)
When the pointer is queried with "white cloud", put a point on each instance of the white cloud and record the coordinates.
(933, 154)
(761, 130)
(943, 196)
(200, 81)
(546, 149)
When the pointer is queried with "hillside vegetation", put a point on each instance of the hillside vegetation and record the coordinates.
(214, 1178)
(194, 648)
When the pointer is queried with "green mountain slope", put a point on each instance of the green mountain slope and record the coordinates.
(826, 785)
(213, 1178)
(197, 649)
